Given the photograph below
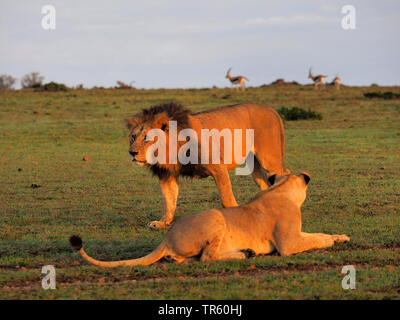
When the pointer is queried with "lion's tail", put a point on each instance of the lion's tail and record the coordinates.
(157, 254)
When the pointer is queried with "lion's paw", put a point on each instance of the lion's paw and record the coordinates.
(249, 253)
(157, 225)
(341, 238)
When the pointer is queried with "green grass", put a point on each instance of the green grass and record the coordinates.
(353, 156)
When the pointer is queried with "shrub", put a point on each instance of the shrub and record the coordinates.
(122, 85)
(54, 86)
(296, 113)
(6, 81)
(281, 82)
(32, 80)
(385, 95)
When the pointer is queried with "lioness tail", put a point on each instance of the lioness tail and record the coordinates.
(157, 254)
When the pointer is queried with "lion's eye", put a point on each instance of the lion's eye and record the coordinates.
(134, 137)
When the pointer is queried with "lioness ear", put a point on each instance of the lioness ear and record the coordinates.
(271, 179)
(132, 122)
(306, 176)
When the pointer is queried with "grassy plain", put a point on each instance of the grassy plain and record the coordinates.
(353, 155)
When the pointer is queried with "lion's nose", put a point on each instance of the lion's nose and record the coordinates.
(133, 153)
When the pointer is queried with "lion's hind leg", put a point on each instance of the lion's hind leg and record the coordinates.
(198, 236)
(237, 254)
(259, 175)
(233, 255)
(221, 177)
(211, 251)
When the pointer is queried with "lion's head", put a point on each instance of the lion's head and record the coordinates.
(156, 117)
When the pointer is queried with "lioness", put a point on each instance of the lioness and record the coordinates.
(272, 221)
(268, 147)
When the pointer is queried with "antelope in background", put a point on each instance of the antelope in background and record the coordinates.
(318, 80)
(238, 80)
(336, 81)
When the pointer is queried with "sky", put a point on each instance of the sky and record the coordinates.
(191, 44)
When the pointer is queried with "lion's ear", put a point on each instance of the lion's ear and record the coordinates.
(132, 122)
(161, 122)
(271, 179)
(164, 126)
(306, 176)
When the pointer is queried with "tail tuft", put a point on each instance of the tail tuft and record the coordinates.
(76, 242)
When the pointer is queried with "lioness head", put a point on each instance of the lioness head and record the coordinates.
(156, 117)
(295, 186)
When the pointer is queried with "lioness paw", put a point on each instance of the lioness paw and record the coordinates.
(249, 253)
(341, 238)
(157, 225)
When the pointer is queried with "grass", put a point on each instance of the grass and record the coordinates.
(353, 155)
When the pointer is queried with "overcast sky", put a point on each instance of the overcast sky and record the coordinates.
(168, 43)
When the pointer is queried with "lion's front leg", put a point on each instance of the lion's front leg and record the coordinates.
(169, 190)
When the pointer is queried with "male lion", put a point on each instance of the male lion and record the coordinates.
(272, 221)
(268, 147)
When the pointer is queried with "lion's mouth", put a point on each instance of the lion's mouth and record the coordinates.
(138, 161)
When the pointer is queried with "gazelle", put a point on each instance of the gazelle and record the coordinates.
(336, 81)
(238, 80)
(318, 80)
